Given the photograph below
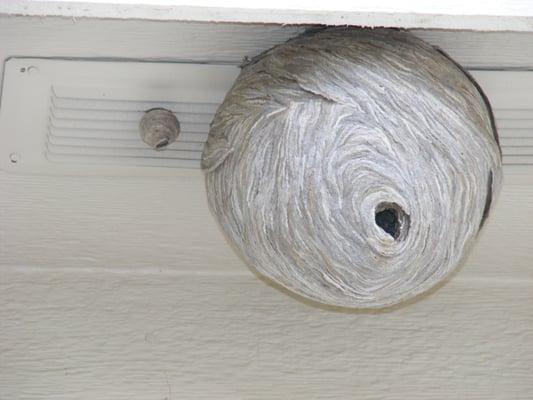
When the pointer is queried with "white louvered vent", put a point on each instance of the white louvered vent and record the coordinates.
(106, 131)
(81, 117)
(511, 96)
(515, 128)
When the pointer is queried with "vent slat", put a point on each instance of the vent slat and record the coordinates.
(517, 160)
(123, 152)
(107, 125)
(517, 150)
(199, 137)
(75, 158)
(515, 123)
(515, 133)
(140, 106)
(119, 143)
(121, 115)
(513, 113)
(516, 141)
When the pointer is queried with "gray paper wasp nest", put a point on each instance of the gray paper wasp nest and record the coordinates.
(354, 167)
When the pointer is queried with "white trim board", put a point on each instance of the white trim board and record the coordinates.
(221, 42)
(490, 15)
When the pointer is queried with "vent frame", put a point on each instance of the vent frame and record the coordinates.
(53, 115)
(80, 117)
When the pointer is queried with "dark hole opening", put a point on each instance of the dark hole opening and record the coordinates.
(387, 220)
(162, 144)
(392, 219)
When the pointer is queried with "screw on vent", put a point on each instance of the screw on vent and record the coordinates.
(159, 128)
